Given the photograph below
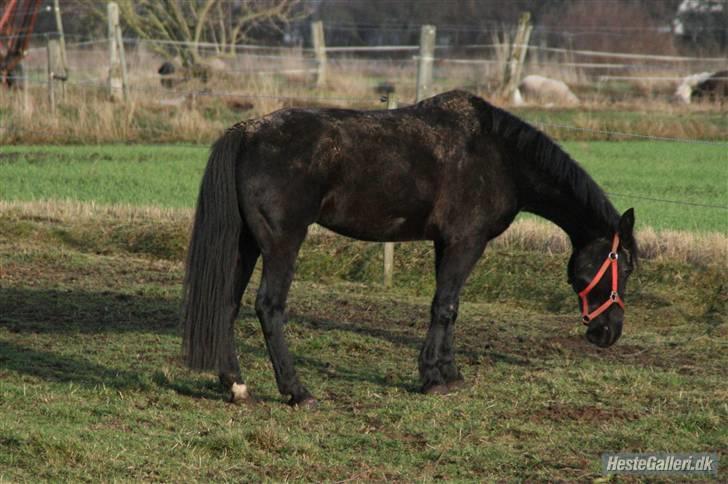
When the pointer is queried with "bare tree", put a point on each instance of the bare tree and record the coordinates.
(183, 24)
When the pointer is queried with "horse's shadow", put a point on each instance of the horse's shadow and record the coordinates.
(24, 311)
(27, 311)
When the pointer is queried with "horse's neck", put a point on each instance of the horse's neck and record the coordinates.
(561, 207)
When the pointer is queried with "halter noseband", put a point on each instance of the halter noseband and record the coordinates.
(610, 261)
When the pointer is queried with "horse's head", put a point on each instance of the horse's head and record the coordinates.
(598, 272)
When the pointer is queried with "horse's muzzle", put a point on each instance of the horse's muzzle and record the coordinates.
(604, 333)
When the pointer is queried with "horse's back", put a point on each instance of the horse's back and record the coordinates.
(373, 175)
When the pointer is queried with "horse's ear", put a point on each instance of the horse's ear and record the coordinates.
(626, 225)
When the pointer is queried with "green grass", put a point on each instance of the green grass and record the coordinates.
(691, 173)
(91, 385)
(168, 176)
(165, 176)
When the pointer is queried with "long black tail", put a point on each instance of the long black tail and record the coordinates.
(211, 258)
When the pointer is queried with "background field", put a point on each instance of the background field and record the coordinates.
(168, 176)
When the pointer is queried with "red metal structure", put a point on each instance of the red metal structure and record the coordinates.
(17, 19)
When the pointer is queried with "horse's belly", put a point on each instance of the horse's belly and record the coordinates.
(376, 216)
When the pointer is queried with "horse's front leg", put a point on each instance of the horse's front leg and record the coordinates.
(453, 264)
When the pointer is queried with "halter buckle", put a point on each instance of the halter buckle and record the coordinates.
(613, 256)
(613, 295)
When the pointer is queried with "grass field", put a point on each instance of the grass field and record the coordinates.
(91, 385)
(168, 176)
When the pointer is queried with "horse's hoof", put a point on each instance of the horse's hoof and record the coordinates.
(457, 385)
(308, 403)
(239, 394)
(440, 389)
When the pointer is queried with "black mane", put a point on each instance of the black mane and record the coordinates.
(550, 159)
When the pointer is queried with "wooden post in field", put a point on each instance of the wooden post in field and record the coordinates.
(53, 49)
(116, 78)
(389, 246)
(570, 56)
(424, 66)
(518, 55)
(319, 47)
(25, 85)
(62, 40)
(122, 62)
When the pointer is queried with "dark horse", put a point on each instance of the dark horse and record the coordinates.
(452, 169)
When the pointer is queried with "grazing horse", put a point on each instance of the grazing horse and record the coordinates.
(452, 169)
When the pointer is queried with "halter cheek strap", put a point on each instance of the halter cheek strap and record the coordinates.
(609, 262)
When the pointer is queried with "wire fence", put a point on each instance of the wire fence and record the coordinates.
(591, 73)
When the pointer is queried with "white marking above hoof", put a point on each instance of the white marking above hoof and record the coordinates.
(239, 392)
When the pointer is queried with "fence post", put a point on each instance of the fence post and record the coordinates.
(389, 246)
(53, 48)
(427, 56)
(62, 39)
(122, 62)
(319, 47)
(115, 82)
(518, 55)
(25, 85)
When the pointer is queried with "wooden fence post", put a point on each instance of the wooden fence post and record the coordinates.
(518, 55)
(122, 62)
(25, 85)
(389, 246)
(53, 48)
(319, 47)
(116, 83)
(427, 56)
(62, 39)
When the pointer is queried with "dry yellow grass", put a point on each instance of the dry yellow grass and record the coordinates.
(194, 111)
(530, 235)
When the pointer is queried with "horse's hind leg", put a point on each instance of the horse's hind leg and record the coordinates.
(278, 266)
(453, 264)
(230, 376)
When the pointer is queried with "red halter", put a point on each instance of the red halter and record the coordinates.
(610, 261)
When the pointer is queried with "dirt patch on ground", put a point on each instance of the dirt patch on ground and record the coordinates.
(586, 413)
(480, 340)
(665, 357)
